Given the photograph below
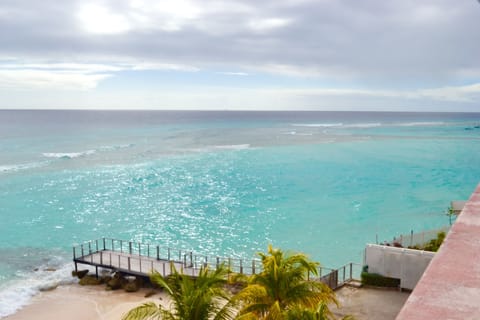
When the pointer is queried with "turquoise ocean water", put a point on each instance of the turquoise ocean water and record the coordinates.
(222, 183)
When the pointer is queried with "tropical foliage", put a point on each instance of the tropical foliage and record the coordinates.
(433, 245)
(322, 312)
(200, 298)
(282, 290)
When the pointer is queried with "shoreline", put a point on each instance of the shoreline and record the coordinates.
(76, 302)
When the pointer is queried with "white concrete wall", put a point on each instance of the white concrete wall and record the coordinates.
(405, 264)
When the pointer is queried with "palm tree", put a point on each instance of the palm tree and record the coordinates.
(283, 287)
(322, 312)
(200, 298)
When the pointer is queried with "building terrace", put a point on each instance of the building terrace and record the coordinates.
(450, 286)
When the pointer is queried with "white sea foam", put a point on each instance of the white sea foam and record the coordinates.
(295, 133)
(19, 167)
(10, 168)
(116, 147)
(317, 125)
(420, 124)
(16, 294)
(72, 155)
(68, 155)
(233, 147)
(214, 148)
(363, 125)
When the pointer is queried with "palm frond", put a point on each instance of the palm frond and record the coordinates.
(283, 285)
(147, 311)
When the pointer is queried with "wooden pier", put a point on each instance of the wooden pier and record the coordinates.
(139, 259)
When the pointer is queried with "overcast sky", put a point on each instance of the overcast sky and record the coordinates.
(421, 55)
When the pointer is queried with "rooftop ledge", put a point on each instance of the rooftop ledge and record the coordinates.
(450, 286)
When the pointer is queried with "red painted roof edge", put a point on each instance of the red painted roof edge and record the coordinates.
(450, 286)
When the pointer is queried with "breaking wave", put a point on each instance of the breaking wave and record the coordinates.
(233, 147)
(420, 124)
(19, 167)
(18, 293)
(68, 155)
(317, 125)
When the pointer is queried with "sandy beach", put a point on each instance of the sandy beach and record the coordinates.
(84, 303)
(75, 302)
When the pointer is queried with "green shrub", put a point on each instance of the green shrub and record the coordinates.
(434, 244)
(375, 279)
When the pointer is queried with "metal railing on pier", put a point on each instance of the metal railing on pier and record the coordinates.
(337, 278)
(142, 259)
(121, 254)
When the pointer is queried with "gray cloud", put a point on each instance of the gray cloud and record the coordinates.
(372, 43)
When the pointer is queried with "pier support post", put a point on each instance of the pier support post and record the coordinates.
(96, 271)
(76, 267)
(241, 266)
(130, 247)
(253, 266)
(158, 253)
(335, 273)
(104, 247)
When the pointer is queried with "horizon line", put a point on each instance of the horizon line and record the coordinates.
(227, 110)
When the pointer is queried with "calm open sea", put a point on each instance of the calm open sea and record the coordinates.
(222, 183)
